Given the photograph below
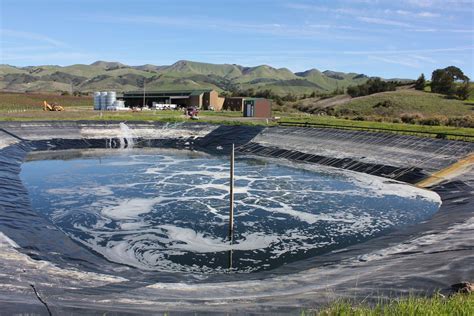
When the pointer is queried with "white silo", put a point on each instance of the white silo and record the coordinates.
(96, 101)
(103, 101)
(110, 98)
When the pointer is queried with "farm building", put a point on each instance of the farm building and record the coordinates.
(257, 107)
(234, 103)
(250, 107)
(203, 99)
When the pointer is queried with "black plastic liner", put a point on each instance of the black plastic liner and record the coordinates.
(40, 239)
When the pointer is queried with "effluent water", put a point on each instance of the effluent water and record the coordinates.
(167, 210)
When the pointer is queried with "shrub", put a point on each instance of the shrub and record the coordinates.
(345, 112)
(433, 120)
(329, 111)
(461, 121)
(383, 104)
(463, 91)
(410, 118)
(420, 83)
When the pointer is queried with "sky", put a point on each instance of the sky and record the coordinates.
(391, 39)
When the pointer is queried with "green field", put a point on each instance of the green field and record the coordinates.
(456, 305)
(402, 106)
(414, 129)
(388, 104)
(405, 101)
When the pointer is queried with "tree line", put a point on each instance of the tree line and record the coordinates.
(450, 81)
(371, 86)
(279, 99)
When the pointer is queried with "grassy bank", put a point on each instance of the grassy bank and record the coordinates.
(401, 127)
(460, 304)
(406, 105)
(395, 103)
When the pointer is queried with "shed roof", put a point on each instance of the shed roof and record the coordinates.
(168, 92)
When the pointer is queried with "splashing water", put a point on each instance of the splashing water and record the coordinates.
(126, 141)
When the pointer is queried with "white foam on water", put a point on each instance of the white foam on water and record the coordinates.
(381, 187)
(130, 208)
(370, 185)
(171, 205)
(124, 163)
(288, 210)
(98, 191)
(190, 240)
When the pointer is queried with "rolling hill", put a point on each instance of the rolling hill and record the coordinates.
(388, 106)
(103, 75)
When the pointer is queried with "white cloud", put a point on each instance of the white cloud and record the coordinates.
(398, 60)
(383, 21)
(30, 36)
(414, 53)
(426, 14)
(53, 57)
(440, 4)
(424, 58)
(461, 31)
(421, 3)
(411, 51)
(421, 14)
(318, 8)
(17, 49)
(37, 48)
(303, 31)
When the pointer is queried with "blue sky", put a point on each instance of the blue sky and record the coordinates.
(386, 38)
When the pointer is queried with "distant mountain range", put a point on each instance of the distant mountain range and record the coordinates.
(183, 74)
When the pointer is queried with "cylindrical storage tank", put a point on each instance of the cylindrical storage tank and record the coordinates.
(111, 98)
(96, 101)
(103, 101)
(119, 103)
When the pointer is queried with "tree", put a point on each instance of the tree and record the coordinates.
(373, 85)
(290, 97)
(444, 80)
(420, 83)
(463, 91)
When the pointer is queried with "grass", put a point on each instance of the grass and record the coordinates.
(28, 107)
(459, 304)
(406, 101)
(329, 120)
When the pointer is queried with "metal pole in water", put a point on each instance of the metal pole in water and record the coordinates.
(230, 254)
(231, 193)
